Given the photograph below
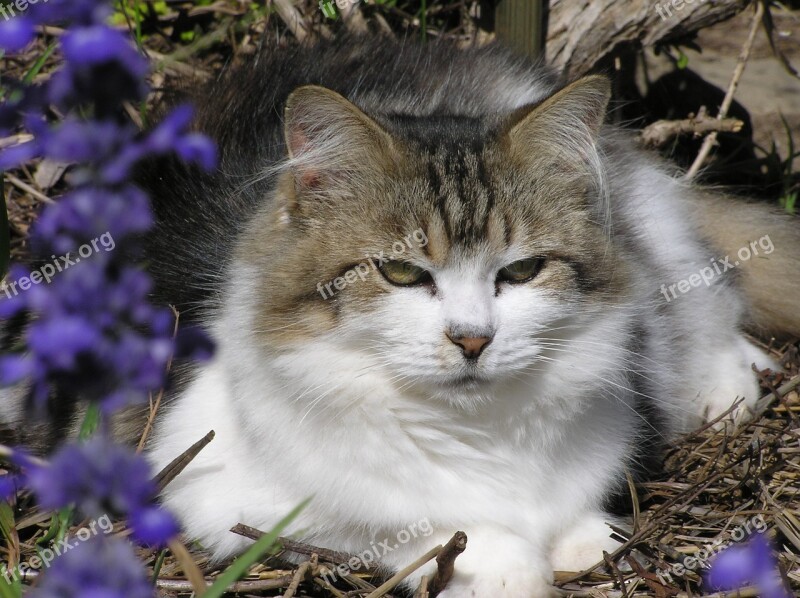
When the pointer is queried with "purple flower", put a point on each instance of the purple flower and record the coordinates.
(11, 483)
(194, 344)
(744, 565)
(170, 136)
(93, 332)
(8, 486)
(14, 368)
(15, 33)
(80, 141)
(59, 342)
(100, 567)
(153, 526)
(18, 154)
(88, 213)
(78, 12)
(98, 44)
(99, 477)
(197, 149)
(164, 136)
(102, 67)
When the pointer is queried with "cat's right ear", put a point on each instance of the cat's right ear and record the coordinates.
(333, 146)
(566, 124)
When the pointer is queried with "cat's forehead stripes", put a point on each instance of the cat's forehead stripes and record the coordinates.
(463, 193)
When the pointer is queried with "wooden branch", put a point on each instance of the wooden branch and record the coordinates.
(293, 19)
(744, 56)
(179, 463)
(255, 585)
(395, 579)
(661, 132)
(764, 403)
(24, 187)
(581, 32)
(422, 590)
(304, 572)
(445, 563)
(329, 556)
(154, 405)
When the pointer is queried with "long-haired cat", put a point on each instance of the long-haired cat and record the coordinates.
(548, 325)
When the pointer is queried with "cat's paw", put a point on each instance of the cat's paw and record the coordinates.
(492, 584)
(581, 546)
(731, 379)
(499, 564)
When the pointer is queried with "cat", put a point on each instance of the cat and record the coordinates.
(541, 333)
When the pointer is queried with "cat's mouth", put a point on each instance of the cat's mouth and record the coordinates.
(466, 381)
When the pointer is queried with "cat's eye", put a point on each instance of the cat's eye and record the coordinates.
(404, 274)
(521, 271)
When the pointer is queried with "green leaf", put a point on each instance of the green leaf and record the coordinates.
(159, 563)
(789, 202)
(329, 9)
(90, 422)
(38, 65)
(423, 20)
(52, 531)
(683, 61)
(8, 589)
(263, 545)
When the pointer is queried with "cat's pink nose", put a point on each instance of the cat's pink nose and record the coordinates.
(471, 347)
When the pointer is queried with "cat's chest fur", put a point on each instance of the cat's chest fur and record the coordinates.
(374, 450)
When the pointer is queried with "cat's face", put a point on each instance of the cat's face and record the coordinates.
(450, 263)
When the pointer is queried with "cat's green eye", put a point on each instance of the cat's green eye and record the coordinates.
(404, 274)
(521, 271)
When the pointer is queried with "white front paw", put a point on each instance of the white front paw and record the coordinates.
(491, 584)
(732, 378)
(500, 564)
(581, 545)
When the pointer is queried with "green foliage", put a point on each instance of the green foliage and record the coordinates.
(138, 10)
(264, 545)
(789, 202)
(782, 169)
(13, 588)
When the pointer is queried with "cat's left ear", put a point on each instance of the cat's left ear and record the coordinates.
(567, 120)
(332, 144)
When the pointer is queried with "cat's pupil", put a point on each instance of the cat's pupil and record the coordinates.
(521, 270)
(404, 273)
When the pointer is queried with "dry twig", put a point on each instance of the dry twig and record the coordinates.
(661, 132)
(193, 574)
(744, 56)
(177, 465)
(154, 405)
(445, 563)
(329, 556)
(303, 572)
(398, 577)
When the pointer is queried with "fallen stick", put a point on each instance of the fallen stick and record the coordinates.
(661, 132)
(445, 563)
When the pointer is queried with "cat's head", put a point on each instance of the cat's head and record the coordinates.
(442, 252)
